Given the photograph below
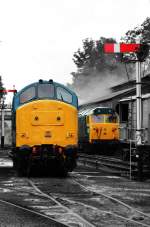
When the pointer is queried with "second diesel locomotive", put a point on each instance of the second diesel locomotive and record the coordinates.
(98, 129)
(45, 128)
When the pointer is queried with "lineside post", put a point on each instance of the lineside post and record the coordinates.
(138, 104)
(2, 125)
(139, 119)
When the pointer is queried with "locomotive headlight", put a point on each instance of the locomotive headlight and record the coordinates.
(70, 135)
(114, 129)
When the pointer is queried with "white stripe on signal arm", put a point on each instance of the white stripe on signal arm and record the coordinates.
(116, 48)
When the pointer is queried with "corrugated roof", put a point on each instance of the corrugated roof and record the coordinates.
(107, 97)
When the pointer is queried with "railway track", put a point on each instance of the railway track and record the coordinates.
(29, 198)
(130, 216)
(61, 209)
(18, 195)
(109, 164)
(27, 211)
(66, 214)
(67, 208)
(72, 208)
(135, 214)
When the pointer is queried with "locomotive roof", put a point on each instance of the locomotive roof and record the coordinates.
(16, 99)
(45, 82)
(90, 111)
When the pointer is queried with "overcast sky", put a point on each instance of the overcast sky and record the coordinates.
(38, 38)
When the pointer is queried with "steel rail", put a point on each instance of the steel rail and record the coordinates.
(69, 211)
(106, 196)
(32, 211)
(118, 201)
(110, 163)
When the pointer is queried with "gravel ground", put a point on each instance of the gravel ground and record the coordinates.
(15, 217)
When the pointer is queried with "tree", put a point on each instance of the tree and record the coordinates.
(95, 69)
(143, 33)
(92, 56)
(1, 88)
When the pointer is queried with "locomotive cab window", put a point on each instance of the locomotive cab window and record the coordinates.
(111, 119)
(63, 95)
(27, 95)
(98, 118)
(45, 90)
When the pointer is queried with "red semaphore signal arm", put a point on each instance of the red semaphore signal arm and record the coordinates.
(10, 90)
(121, 47)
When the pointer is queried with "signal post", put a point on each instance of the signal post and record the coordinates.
(2, 125)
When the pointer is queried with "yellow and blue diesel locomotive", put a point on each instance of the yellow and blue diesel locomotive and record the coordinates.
(45, 128)
(98, 129)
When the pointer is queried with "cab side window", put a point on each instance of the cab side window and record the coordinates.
(63, 95)
(27, 95)
(98, 118)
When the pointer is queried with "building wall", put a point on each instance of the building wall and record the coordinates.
(7, 128)
(129, 127)
(8, 136)
(146, 119)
